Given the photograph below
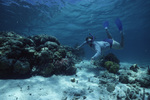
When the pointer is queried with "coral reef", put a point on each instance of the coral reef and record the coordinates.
(111, 57)
(64, 66)
(110, 62)
(79, 53)
(36, 55)
(134, 68)
(139, 78)
(111, 66)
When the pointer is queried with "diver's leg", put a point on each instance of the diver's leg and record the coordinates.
(117, 45)
(122, 39)
(108, 34)
(120, 27)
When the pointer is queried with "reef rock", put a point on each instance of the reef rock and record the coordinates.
(6, 66)
(21, 67)
(111, 57)
(41, 39)
(111, 66)
(134, 68)
(110, 87)
(110, 62)
(64, 66)
(124, 79)
(36, 55)
(141, 78)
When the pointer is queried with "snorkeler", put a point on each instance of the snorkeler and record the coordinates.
(101, 46)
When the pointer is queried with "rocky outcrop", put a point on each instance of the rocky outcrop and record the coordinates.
(110, 62)
(131, 76)
(36, 55)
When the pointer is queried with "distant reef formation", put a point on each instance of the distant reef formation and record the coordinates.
(22, 57)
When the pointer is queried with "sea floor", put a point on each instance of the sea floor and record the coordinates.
(89, 83)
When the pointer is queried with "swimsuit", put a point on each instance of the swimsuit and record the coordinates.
(110, 41)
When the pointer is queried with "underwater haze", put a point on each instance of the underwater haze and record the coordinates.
(71, 21)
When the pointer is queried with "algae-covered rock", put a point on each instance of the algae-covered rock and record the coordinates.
(6, 66)
(64, 66)
(108, 64)
(21, 67)
(5, 63)
(44, 69)
(111, 66)
(111, 57)
(45, 56)
(14, 54)
(48, 70)
(61, 53)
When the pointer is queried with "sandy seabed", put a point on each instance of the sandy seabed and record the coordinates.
(85, 85)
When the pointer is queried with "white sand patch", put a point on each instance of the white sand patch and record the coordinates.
(86, 86)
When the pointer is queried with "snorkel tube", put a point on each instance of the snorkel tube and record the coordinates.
(92, 36)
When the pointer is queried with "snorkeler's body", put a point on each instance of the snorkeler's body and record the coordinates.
(104, 45)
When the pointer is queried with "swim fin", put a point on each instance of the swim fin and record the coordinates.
(119, 24)
(106, 24)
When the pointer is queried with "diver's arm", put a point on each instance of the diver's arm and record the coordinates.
(81, 45)
(98, 52)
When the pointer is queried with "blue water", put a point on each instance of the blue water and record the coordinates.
(72, 20)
